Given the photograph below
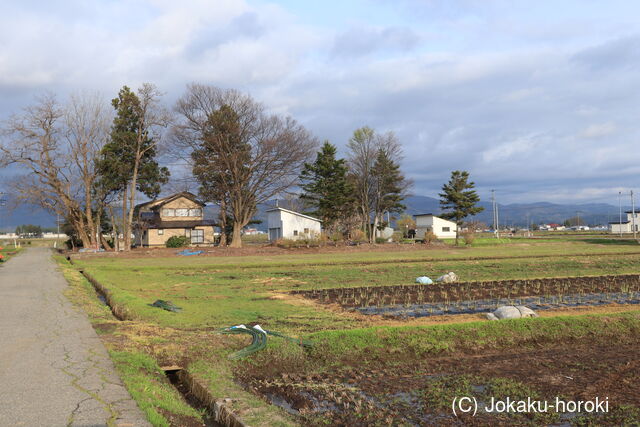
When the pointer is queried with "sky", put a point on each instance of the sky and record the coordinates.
(537, 100)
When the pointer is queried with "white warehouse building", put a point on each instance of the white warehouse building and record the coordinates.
(286, 224)
(627, 225)
(442, 228)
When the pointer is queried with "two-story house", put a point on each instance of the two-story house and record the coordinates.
(180, 214)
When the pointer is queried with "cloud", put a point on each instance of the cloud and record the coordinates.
(464, 87)
(622, 53)
(599, 130)
(357, 42)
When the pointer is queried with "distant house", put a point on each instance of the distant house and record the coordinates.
(286, 224)
(627, 224)
(552, 227)
(251, 231)
(442, 228)
(180, 214)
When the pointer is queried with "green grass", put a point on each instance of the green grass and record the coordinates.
(368, 345)
(215, 292)
(147, 385)
(515, 248)
(8, 251)
(140, 373)
(223, 291)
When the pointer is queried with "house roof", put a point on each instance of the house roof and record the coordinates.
(178, 224)
(158, 203)
(617, 222)
(428, 214)
(277, 208)
(636, 211)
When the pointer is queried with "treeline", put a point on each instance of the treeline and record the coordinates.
(353, 194)
(89, 162)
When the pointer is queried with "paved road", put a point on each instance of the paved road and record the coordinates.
(54, 370)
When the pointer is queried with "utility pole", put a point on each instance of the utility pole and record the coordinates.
(55, 242)
(495, 214)
(633, 215)
(3, 201)
(497, 222)
(493, 210)
(620, 203)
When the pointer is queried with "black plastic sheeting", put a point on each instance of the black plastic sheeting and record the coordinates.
(486, 305)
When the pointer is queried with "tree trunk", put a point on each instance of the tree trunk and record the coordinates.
(89, 217)
(223, 223)
(132, 201)
(78, 225)
(374, 228)
(236, 239)
(125, 229)
(105, 244)
(116, 240)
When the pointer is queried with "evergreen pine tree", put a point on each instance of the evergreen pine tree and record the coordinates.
(326, 188)
(459, 199)
(389, 186)
(127, 161)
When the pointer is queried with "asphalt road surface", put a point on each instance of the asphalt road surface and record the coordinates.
(54, 370)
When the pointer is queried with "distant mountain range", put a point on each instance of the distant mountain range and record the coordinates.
(520, 214)
(517, 214)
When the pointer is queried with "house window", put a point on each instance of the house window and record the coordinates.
(195, 212)
(295, 232)
(306, 231)
(182, 212)
(197, 236)
(160, 232)
(446, 229)
(168, 212)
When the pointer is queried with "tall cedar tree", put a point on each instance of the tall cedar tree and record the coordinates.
(221, 139)
(127, 163)
(326, 188)
(459, 199)
(389, 187)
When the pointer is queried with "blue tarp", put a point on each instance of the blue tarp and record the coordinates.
(186, 252)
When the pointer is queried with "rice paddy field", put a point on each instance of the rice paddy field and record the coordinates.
(385, 351)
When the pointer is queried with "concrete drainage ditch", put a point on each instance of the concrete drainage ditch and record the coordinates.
(196, 395)
(181, 381)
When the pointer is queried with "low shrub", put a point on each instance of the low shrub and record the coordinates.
(397, 236)
(429, 237)
(468, 237)
(381, 240)
(336, 237)
(358, 236)
(177, 241)
(307, 242)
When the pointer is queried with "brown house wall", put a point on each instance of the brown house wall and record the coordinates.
(180, 203)
(154, 239)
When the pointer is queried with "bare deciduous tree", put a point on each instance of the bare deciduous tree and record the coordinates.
(56, 145)
(364, 147)
(254, 155)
